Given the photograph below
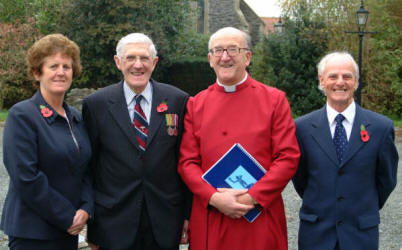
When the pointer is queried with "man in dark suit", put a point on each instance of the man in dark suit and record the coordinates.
(348, 164)
(135, 129)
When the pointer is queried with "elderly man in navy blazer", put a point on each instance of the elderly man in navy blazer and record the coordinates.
(135, 131)
(348, 164)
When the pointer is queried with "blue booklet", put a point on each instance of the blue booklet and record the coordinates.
(236, 169)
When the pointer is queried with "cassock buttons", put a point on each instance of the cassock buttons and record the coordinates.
(224, 133)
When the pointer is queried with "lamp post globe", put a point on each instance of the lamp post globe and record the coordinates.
(361, 17)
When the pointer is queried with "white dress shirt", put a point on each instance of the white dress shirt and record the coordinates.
(146, 101)
(349, 114)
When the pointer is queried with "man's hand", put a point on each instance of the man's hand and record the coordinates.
(226, 201)
(184, 234)
(93, 246)
(246, 199)
(79, 221)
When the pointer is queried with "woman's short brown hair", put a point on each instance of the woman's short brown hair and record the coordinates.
(50, 45)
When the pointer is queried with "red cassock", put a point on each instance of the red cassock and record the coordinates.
(259, 118)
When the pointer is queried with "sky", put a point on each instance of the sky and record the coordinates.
(264, 8)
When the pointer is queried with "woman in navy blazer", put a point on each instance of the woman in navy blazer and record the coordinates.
(46, 152)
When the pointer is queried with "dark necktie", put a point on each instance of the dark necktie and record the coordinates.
(140, 124)
(340, 139)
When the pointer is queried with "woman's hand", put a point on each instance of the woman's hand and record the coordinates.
(79, 221)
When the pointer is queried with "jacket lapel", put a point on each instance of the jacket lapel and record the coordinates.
(156, 118)
(322, 134)
(118, 110)
(355, 143)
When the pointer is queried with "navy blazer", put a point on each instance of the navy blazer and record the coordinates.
(125, 178)
(341, 201)
(48, 181)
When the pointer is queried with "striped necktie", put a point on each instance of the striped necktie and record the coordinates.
(140, 124)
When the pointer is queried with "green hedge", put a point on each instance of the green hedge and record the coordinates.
(191, 74)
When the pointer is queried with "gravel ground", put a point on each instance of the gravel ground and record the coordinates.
(391, 214)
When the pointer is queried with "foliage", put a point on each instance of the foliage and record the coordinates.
(46, 13)
(15, 39)
(98, 25)
(337, 15)
(11, 10)
(192, 48)
(191, 44)
(288, 61)
(21, 23)
(191, 74)
(189, 69)
(384, 66)
(382, 69)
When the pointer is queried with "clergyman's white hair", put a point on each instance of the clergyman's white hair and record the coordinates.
(230, 31)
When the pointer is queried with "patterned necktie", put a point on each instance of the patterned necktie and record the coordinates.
(340, 139)
(140, 124)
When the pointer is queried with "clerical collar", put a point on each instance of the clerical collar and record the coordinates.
(232, 88)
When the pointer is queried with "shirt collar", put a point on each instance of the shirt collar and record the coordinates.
(349, 113)
(129, 94)
(232, 88)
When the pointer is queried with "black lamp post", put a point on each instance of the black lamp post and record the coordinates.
(278, 27)
(361, 20)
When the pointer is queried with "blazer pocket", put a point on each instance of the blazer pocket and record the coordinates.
(104, 200)
(367, 221)
(308, 217)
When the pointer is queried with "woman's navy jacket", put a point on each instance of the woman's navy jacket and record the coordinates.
(49, 180)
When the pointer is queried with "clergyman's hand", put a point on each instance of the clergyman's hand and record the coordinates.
(226, 201)
(246, 199)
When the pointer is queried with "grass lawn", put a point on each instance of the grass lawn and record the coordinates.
(3, 115)
(398, 123)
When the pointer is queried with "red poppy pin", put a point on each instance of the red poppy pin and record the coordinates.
(162, 107)
(46, 112)
(364, 135)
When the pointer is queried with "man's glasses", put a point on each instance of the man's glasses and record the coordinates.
(232, 51)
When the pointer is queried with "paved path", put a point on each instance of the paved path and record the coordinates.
(391, 214)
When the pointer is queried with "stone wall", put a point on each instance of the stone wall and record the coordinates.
(235, 13)
(75, 97)
(224, 13)
(256, 25)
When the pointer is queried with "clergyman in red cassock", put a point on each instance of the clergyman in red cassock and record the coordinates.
(237, 109)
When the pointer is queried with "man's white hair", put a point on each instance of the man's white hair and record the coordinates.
(337, 55)
(135, 38)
